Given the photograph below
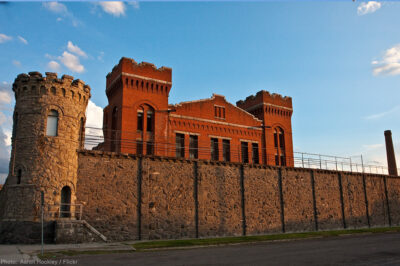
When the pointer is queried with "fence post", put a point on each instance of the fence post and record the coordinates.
(302, 159)
(320, 162)
(351, 167)
(336, 162)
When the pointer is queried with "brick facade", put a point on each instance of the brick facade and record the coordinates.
(139, 120)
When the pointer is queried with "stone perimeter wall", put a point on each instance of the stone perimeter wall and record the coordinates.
(127, 197)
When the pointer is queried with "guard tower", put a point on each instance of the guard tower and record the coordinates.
(276, 112)
(48, 129)
(137, 107)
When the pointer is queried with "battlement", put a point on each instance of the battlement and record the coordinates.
(265, 97)
(144, 70)
(35, 83)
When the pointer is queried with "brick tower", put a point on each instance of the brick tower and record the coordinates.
(137, 107)
(49, 122)
(276, 112)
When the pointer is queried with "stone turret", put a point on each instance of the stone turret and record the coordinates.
(49, 123)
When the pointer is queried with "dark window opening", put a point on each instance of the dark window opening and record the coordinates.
(226, 150)
(214, 149)
(19, 175)
(276, 139)
(276, 159)
(65, 202)
(283, 160)
(255, 153)
(245, 152)
(150, 148)
(140, 120)
(281, 139)
(193, 147)
(180, 145)
(150, 121)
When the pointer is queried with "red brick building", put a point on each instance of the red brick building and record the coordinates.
(139, 120)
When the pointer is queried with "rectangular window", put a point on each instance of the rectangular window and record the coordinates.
(283, 160)
(214, 149)
(255, 153)
(226, 150)
(150, 148)
(140, 121)
(219, 111)
(149, 121)
(282, 140)
(245, 152)
(52, 124)
(193, 147)
(180, 145)
(276, 159)
(139, 147)
(276, 139)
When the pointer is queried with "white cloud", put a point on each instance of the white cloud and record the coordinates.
(16, 63)
(94, 124)
(389, 64)
(24, 41)
(56, 7)
(5, 97)
(382, 114)
(4, 38)
(71, 62)
(75, 49)
(368, 7)
(54, 66)
(61, 9)
(115, 8)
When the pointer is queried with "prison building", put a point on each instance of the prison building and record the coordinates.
(139, 120)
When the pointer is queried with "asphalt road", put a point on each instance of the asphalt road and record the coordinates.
(371, 249)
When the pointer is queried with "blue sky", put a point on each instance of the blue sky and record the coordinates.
(339, 61)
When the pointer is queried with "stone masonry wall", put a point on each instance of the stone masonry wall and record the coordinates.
(127, 197)
(354, 200)
(219, 194)
(263, 213)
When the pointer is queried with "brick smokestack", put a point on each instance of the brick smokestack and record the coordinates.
(390, 153)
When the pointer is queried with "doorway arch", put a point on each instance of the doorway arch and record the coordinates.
(65, 208)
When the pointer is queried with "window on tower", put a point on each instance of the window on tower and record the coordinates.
(52, 123)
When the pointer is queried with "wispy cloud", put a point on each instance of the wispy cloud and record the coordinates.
(23, 40)
(390, 62)
(62, 10)
(4, 38)
(135, 4)
(382, 114)
(115, 8)
(54, 66)
(368, 7)
(5, 97)
(75, 49)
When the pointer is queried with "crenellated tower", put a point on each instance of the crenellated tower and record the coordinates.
(137, 107)
(276, 112)
(48, 129)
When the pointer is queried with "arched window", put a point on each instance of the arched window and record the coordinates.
(19, 175)
(140, 119)
(52, 123)
(279, 144)
(65, 202)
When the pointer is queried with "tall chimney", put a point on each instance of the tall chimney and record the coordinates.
(390, 153)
